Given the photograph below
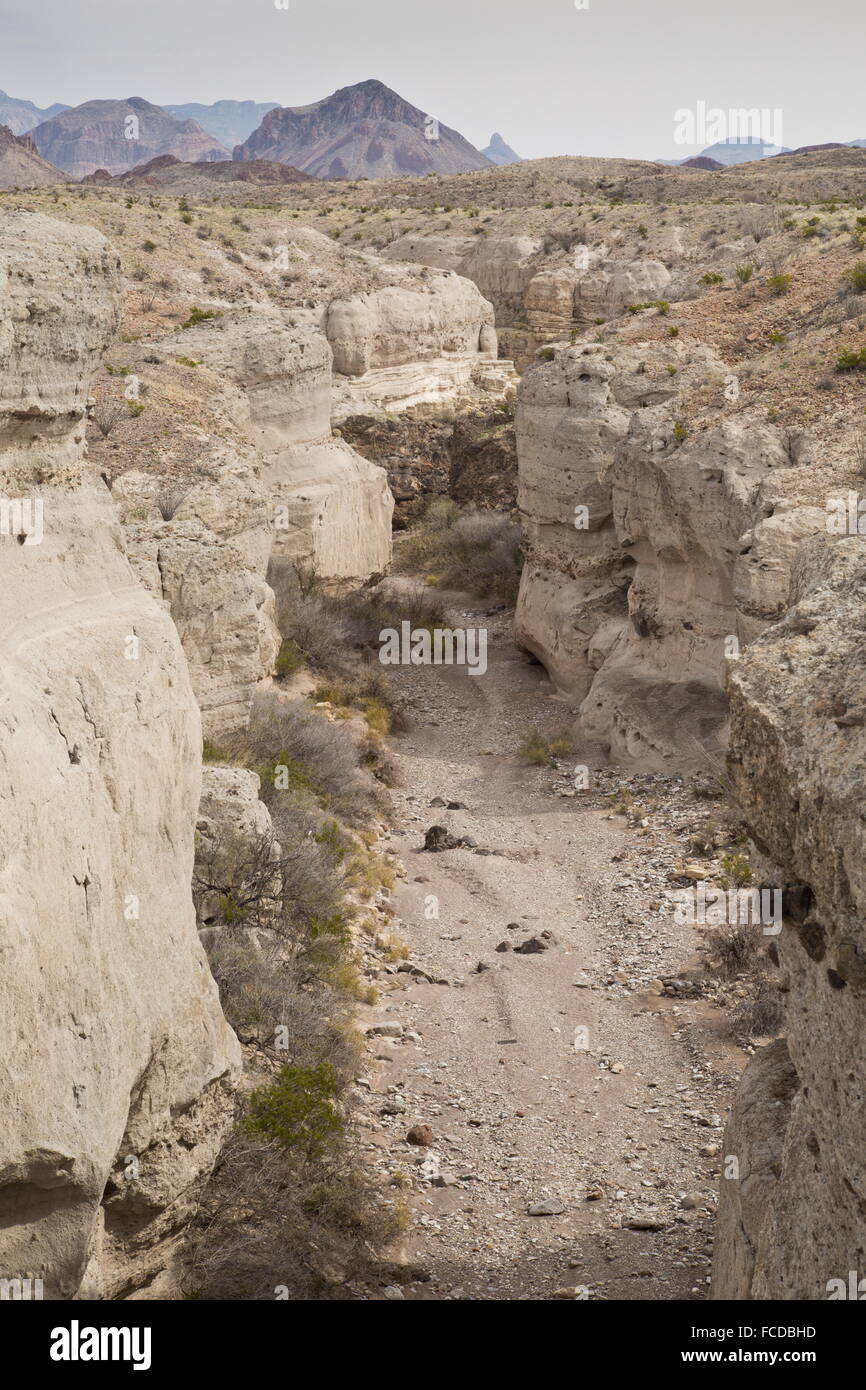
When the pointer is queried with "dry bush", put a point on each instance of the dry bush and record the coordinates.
(758, 1016)
(169, 499)
(267, 1225)
(318, 756)
(478, 551)
(107, 416)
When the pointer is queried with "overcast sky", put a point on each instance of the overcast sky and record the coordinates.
(554, 79)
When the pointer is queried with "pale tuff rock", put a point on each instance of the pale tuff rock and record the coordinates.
(539, 295)
(565, 297)
(118, 1063)
(417, 343)
(395, 325)
(329, 508)
(680, 556)
(224, 613)
(754, 1139)
(334, 512)
(276, 378)
(798, 721)
(207, 562)
(501, 266)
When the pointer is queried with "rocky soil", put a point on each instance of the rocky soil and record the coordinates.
(483, 1101)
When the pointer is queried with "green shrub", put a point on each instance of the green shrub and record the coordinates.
(542, 750)
(289, 659)
(745, 273)
(779, 284)
(480, 551)
(851, 360)
(198, 315)
(298, 1111)
(856, 278)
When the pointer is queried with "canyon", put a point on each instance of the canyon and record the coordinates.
(233, 415)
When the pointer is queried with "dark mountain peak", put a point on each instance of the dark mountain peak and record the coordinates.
(362, 131)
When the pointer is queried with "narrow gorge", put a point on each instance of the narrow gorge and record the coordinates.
(331, 975)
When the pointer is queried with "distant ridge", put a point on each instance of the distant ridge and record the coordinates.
(364, 131)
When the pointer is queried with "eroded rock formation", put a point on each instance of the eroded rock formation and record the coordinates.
(652, 555)
(115, 1084)
(791, 1212)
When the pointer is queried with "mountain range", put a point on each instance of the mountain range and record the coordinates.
(362, 131)
(116, 135)
(19, 116)
(229, 122)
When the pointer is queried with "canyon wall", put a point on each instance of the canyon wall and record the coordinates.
(118, 1066)
(791, 1215)
(539, 291)
(652, 555)
(428, 341)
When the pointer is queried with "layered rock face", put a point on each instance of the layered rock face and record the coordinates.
(791, 1217)
(538, 296)
(117, 1061)
(651, 557)
(330, 509)
(207, 562)
(428, 341)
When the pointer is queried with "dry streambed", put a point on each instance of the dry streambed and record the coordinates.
(551, 1109)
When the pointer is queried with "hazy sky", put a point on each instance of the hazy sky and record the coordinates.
(554, 79)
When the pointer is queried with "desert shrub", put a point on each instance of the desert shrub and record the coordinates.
(267, 1224)
(107, 416)
(297, 748)
(736, 950)
(289, 659)
(779, 284)
(758, 1016)
(856, 278)
(197, 315)
(297, 1111)
(543, 750)
(736, 871)
(475, 550)
(744, 273)
(169, 499)
(851, 360)
(711, 278)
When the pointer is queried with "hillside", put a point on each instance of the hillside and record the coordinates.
(115, 135)
(20, 164)
(365, 131)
